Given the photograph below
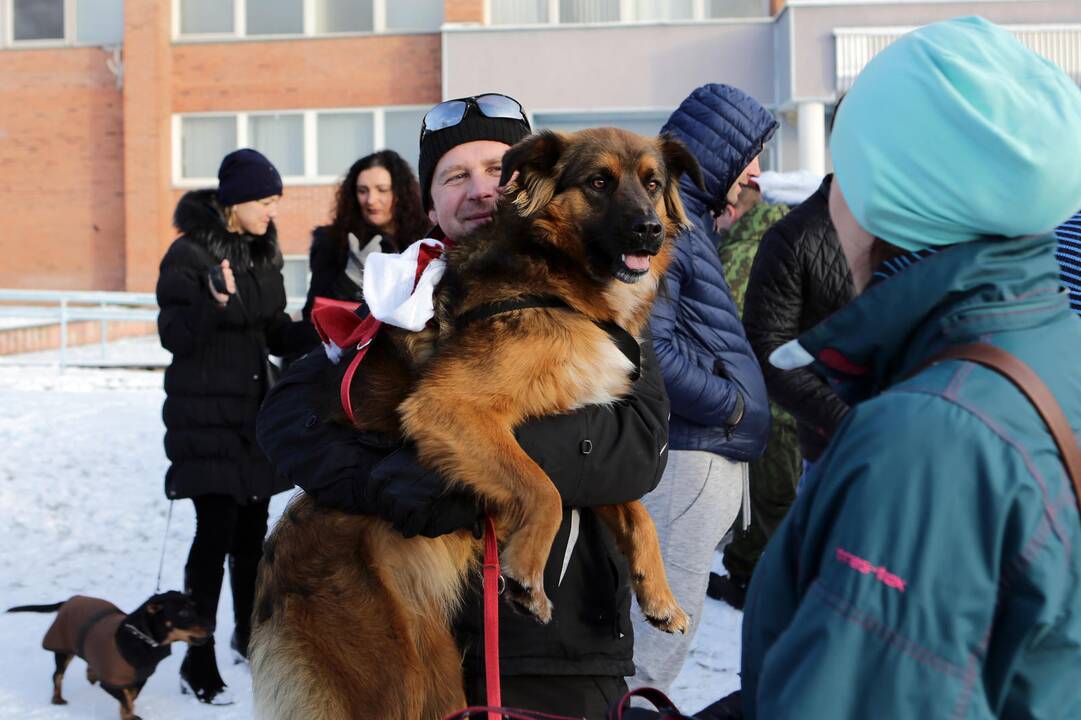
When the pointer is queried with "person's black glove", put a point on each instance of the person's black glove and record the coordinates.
(417, 501)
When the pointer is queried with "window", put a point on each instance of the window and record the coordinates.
(518, 12)
(295, 276)
(100, 22)
(275, 17)
(401, 133)
(204, 17)
(343, 139)
(531, 12)
(643, 122)
(588, 11)
(663, 9)
(61, 22)
(281, 138)
(307, 146)
(414, 15)
(37, 20)
(204, 142)
(343, 16)
(256, 18)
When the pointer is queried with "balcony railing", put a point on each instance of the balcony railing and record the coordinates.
(1061, 44)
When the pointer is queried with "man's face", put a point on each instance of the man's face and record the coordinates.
(748, 178)
(465, 187)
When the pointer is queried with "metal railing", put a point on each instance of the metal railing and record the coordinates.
(63, 307)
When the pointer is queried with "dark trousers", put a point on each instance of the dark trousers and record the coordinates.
(225, 528)
(773, 479)
(571, 695)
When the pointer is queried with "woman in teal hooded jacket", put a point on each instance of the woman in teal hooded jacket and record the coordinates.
(932, 566)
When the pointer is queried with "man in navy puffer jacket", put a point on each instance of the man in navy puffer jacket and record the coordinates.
(720, 410)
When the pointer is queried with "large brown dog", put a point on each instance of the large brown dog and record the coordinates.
(353, 620)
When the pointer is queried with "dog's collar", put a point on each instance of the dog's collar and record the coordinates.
(141, 635)
(626, 342)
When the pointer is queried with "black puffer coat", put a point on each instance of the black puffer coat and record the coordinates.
(798, 279)
(217, 378)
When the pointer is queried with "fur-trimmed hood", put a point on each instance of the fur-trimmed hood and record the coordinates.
(199, 217)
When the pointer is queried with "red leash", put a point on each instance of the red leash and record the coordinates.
(491, 616)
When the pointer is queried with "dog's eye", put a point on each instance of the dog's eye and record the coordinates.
(598, 183)
(653, 185)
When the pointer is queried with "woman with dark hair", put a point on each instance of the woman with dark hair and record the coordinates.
(377, 209)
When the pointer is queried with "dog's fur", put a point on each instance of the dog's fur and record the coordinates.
(354, 620)
(141, 640)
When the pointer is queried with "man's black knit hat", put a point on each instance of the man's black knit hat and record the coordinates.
(245, 175)
(473, 126)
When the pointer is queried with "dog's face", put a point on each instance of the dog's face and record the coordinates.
(175, 616)
(606, 194)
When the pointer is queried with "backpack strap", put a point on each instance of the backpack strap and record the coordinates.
(1030, 384)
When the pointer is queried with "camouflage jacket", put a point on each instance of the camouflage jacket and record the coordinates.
(738, 246)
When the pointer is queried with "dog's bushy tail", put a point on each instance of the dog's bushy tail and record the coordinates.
(36, 608)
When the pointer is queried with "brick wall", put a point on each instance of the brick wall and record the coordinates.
(464, 11)
(61, 160)
(316, 73)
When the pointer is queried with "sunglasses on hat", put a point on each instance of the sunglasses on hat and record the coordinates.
(450, 113)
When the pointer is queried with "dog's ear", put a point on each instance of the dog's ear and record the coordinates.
(534, 159)
(679, 162)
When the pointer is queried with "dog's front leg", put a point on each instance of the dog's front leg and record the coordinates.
(636, 536)
(472, 445)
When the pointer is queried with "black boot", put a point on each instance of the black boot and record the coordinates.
(199, 676)
(727, 588)
(242, 575)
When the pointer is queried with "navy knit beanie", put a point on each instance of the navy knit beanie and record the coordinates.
(246, 175)
(474, 126)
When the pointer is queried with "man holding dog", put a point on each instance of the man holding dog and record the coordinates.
(599, 455)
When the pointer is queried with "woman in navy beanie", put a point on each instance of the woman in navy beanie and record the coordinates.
(222, 303)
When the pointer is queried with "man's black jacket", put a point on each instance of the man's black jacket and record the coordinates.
(799, 278)
(599, 455)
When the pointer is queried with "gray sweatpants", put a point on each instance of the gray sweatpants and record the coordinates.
(693, 507)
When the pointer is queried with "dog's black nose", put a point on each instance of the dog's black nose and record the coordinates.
(647, 231)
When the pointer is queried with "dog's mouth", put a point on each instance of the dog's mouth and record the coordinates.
(632, 266)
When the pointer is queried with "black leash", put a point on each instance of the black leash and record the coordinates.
(626, 342)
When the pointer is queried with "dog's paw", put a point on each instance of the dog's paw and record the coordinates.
(673, 621)
(528, 600)
(59, 701)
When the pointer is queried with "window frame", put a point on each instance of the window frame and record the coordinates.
(70, 39)
(240, 30)
(310, 140)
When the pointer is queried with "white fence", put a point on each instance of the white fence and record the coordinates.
(62, 307)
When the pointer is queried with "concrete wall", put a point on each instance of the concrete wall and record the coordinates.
(61, 170)
(597, 67)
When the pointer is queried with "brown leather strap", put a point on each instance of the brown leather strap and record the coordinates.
(1029, 383)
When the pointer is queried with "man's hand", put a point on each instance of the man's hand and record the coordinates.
(417, 501)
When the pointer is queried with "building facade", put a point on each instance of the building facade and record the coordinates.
(110, 109)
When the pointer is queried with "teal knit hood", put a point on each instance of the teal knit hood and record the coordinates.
(956, 131)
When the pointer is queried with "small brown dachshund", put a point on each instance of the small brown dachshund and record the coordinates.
(121, 651)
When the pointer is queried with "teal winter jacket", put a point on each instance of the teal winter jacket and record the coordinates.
(931, 566)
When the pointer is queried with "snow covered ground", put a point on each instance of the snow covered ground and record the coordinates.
(82, 511)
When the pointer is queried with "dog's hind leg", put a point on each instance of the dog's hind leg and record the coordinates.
(636, 536)
(62, 662)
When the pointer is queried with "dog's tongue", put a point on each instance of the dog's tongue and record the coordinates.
(637, 261)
